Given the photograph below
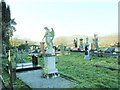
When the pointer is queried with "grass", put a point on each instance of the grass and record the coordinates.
(82, 71)
(18, 84)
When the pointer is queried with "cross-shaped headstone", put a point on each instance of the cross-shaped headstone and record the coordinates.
(22, 56)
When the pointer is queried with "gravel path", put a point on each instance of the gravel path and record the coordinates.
(34, 80)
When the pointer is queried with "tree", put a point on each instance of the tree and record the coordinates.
(7, 25)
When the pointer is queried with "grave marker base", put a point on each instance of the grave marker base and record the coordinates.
(27, 67)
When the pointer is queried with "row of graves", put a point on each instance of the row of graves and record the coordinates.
(81, 46)
(93, 48)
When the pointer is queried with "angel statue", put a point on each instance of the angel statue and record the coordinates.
(49, 36)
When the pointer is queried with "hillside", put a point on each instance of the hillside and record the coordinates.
(103, 41)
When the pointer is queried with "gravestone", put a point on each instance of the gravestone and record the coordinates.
(95, 41)
(22, 56)
(81, 44)
(26, 46)
(49, 57)
(87, 54)
(69, 50)
(34, 60)
(75, 42)
(16, 54)
(62, 48)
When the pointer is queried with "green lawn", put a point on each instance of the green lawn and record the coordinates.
(82, 71)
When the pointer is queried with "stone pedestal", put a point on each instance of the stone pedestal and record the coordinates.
(50, 69)
(86, 57)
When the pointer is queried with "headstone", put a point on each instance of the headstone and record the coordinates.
(26, 46)
(16, 54)
(95, 41)
(81, 44)
(69, 50)
(42, 47)
(87, 54)
(22, 56)
(49, 57)
(75, 42)
(62, 48)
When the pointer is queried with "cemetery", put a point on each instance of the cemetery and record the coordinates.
(50, 69)
(85, 64)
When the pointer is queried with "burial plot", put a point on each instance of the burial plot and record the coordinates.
(33, 65)
(26, 66)
(35, 80)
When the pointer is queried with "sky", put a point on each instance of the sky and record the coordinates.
(66, 17)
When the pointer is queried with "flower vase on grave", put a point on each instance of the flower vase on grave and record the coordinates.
(42, 48)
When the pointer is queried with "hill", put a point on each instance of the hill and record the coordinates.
(102, 40)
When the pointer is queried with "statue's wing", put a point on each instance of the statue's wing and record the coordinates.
(53, 33)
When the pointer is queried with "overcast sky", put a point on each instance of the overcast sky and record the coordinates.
(66, 17)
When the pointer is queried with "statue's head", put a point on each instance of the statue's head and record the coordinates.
(46, 28)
